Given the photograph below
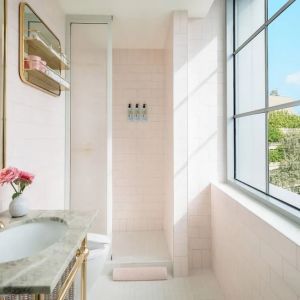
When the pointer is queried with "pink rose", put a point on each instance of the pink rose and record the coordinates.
(8, 175)
(25, 177)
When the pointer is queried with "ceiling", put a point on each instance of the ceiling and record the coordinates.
(140, 24)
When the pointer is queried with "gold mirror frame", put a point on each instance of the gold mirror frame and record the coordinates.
(3, 84)
(22, 8)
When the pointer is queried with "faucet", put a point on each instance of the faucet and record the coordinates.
(2, 226)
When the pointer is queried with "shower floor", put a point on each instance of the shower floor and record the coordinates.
(140, 247)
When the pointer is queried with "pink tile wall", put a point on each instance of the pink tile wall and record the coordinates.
(138, 147)
(35, 120)
(251, 259)
(205, 127)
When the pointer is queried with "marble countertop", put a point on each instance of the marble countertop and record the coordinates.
(41, 272)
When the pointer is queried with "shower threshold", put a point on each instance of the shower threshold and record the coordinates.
(140, 248)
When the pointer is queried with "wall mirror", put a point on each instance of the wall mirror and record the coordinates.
(2, 80)
(42, 62)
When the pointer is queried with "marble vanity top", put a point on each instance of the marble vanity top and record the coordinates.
(41, 272)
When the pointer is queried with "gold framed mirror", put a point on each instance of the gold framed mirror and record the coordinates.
(41, 60)
(3, 6)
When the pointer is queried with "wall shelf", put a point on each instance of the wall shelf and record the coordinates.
(37, 39)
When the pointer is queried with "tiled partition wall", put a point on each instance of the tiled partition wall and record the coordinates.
(251, 259)
(206, 155)
(180, 138)
(138, 147)
(35, 120)
(195, 133)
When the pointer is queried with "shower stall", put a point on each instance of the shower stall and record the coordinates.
(118, 165)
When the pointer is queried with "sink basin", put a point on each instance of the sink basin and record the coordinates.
(28, 239)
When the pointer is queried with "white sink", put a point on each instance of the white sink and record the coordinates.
(28, 239)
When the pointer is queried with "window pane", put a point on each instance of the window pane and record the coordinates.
(250, 151)
(250, 15)
(284, 154)
(274, 6)
(284, 58)
(250, 76)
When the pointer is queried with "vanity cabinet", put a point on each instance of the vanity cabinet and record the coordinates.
(64, 289)
(45, 271)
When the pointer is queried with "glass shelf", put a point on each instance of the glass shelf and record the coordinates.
(37, 46)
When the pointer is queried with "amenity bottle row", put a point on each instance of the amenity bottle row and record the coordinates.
(137, 113)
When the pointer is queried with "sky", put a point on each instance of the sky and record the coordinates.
(284, 50)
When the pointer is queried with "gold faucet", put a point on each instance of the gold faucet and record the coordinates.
(2, 226)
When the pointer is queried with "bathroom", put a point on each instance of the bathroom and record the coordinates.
(154, 172)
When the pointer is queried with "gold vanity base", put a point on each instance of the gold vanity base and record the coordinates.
(65, 288)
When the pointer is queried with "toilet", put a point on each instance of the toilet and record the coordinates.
(99, 252)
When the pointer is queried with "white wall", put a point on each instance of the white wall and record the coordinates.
(251, 259)
(138, 147)
(35, 120)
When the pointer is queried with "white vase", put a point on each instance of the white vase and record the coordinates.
(18, 207)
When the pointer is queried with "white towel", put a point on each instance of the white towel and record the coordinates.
(140, 274)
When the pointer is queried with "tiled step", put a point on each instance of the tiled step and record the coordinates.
(109, 265)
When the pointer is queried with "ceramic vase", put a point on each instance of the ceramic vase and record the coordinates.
(18, 207)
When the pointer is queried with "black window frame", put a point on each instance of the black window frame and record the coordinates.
(233, 116)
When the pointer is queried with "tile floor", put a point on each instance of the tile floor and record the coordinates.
(201, 285)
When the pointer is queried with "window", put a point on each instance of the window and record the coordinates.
(264, 96)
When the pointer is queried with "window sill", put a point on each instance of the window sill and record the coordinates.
(281, 221)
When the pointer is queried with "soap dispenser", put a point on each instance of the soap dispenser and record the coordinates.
(144, 112)
(137, 112)
(130, 112)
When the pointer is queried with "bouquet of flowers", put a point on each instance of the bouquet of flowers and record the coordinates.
(18, 179)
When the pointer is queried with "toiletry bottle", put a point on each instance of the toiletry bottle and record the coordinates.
(130, 112)
(137, 112)
(144, 112)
